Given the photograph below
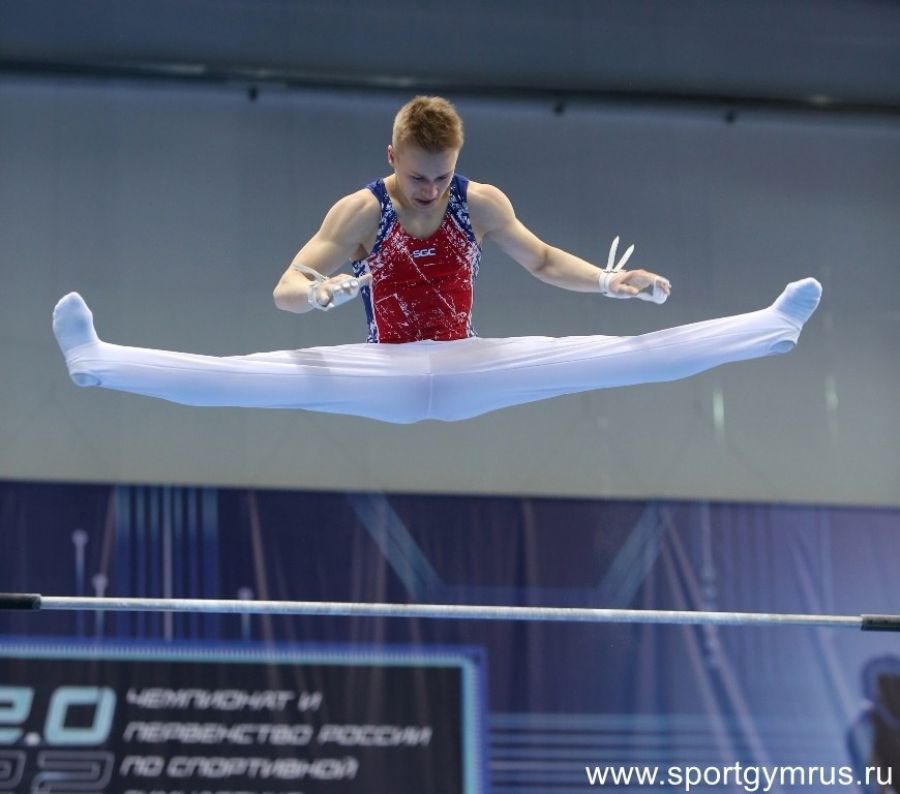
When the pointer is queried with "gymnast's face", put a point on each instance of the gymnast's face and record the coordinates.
(422, 178)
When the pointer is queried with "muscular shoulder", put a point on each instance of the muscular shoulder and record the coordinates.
(489, 208)
(356, 214)
(360, 207)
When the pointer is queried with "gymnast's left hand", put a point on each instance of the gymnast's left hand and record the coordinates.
(641, 284)
(616, 282)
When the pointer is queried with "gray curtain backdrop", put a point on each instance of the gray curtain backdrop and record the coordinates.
(174, 211)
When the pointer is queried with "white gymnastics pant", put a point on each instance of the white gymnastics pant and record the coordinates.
(448, 381)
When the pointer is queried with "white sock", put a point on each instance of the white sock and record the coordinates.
(799, 300)
(73, 326)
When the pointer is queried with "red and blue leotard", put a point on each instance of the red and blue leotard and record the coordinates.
(421, 289)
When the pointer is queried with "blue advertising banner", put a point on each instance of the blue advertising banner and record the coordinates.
(151, 718)
(562, 706)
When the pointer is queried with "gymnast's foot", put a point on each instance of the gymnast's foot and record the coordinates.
(799, 300)
(73, 325)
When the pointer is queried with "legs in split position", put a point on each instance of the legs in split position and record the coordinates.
(428, 380)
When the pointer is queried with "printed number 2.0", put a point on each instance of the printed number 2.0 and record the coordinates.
(15, 707)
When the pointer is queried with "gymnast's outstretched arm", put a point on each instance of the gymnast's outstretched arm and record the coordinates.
(348, 228)
(494, 218)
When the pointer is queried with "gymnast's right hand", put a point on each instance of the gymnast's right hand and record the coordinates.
(326, 293)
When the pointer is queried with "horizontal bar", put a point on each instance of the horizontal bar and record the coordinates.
(445, 611)
(881, 623)
(20, 601)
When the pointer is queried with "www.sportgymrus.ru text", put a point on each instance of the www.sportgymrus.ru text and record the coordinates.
(750, 778)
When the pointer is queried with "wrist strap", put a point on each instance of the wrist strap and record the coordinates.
(339, 291)
(613, 267)
(312, 292)
(604, 282)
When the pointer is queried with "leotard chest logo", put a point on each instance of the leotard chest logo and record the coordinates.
(420, 253)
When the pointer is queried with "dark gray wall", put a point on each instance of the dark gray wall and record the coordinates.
(811, 52)
(175, 209)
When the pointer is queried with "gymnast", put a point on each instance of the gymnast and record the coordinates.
(414, 241)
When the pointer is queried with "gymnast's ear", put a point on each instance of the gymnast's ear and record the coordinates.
(390, 155)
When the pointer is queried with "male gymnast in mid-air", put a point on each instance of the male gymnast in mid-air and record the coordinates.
(414, 242)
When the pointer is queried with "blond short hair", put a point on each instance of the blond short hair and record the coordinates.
(429, 122)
